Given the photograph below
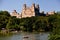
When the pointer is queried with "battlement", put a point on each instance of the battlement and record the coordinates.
(33, 6)
(33, 10)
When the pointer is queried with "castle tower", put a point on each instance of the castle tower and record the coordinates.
(24, 7)
(30, 11)
(37, 10)
(14, 12)
(33, 7)
(37, 6)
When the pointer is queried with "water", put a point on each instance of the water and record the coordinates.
(26, 36)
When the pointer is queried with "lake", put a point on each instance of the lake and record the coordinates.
(26, 36)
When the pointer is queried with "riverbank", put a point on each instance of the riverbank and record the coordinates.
(6, 32)
(20, 36)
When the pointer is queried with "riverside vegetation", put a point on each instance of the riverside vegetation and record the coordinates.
(33, 24)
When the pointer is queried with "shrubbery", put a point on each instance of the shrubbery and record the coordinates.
(36, 24)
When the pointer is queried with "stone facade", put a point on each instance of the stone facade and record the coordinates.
(27, 11)
(30, 11)
(50, 13)
(14, 13)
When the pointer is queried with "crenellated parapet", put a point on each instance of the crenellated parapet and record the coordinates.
(33, 10)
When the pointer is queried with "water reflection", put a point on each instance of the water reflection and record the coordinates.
(41, 36)
(26, 36)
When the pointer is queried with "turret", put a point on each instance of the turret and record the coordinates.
(14, 10)
(37, 6)
(33, 7)
(24, 6)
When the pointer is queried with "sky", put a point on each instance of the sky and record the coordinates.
(45, 5)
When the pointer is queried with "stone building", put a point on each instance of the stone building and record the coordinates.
(50, 13)
(27, 11)
(34, 10)
(14, 13)
(30, 11)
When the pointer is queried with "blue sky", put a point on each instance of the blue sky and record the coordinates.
(45, 5)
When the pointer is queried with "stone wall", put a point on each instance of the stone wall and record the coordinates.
(33, 10)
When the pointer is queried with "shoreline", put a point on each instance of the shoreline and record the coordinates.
(14, 32)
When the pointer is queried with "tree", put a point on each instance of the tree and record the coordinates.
(4, 16)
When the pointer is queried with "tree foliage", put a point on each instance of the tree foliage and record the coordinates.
(32, 24)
